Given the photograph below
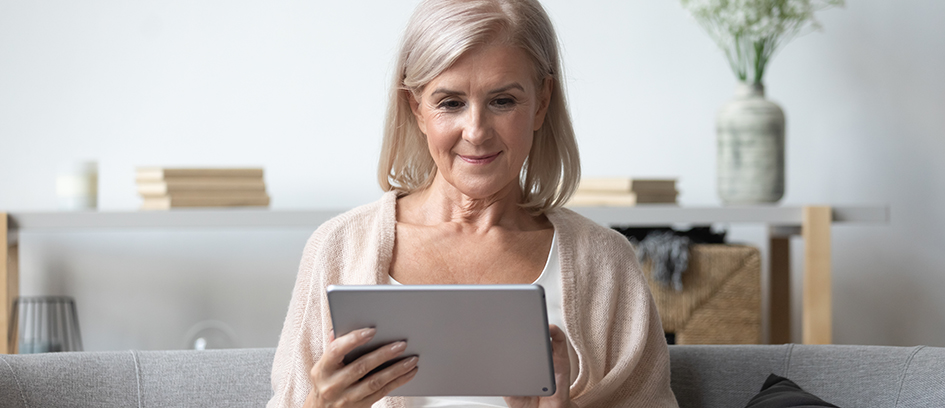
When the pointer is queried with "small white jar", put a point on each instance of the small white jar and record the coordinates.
(77, 186)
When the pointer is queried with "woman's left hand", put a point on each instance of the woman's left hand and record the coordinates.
(562, 396)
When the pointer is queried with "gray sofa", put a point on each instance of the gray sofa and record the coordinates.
(702, 376)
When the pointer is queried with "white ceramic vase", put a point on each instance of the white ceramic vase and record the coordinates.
(750, 148)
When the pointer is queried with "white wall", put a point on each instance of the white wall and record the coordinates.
(299, 88)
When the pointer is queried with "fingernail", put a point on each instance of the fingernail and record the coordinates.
(398, 346)
(410, 362)
(368, 333)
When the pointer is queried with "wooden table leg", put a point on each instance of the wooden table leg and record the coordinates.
(9, 286)
(817, 315)
(779, 290)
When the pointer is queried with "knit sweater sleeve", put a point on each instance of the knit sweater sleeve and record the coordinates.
(611, 319)
(353, 248)
(303, 333)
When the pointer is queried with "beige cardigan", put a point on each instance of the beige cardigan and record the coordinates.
(609, 315)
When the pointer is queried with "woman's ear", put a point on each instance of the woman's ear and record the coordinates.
(415, 108)
(544, 100)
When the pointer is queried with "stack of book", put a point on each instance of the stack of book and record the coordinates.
(623, 191)
(166, 188)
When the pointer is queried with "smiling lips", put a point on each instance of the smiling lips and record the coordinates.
(480, 159)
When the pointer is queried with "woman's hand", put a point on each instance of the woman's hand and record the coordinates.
(335, 384)
(562, 396)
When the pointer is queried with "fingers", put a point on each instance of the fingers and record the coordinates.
(559, 342)
(333, 360)
(562, 366)
(337, 349)
(332, 380)
(562, 363)
(359, 368)
(383, 382)
(393, 385)
(557, 335)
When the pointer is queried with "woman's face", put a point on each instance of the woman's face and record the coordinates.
(479, 117)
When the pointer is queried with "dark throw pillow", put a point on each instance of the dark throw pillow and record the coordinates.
(780, 392)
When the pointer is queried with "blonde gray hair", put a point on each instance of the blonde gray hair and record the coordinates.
(438, 34)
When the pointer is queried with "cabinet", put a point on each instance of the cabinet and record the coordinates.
(811, 223)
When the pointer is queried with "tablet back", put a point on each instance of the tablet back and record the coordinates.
(473, 340)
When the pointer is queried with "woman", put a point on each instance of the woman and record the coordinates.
(478, 157)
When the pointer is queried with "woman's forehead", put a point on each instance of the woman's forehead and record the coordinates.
(493, 67)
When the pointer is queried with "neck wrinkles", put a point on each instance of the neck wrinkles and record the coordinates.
(442, 202)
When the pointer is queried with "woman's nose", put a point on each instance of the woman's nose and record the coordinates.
(478, 127)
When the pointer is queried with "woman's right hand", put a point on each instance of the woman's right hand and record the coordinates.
(335, 384)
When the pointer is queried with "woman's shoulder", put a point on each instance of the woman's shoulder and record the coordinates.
(587, 242)
(579, 227)
(359, 222)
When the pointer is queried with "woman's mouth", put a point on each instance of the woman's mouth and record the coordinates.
(485, 159)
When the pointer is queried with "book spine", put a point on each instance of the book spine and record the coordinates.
(165, 187)
(211, 194)
(164, 203)
(585, 199)
(158, 173)
(627, 185)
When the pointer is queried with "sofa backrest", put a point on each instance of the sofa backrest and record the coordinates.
(702, 376)
(847, 376)
(186, 378)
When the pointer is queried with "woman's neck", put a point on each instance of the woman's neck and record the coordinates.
(441, 202)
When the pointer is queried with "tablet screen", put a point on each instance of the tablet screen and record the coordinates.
(472, 340)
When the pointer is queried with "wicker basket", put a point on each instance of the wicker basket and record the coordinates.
(721, 298)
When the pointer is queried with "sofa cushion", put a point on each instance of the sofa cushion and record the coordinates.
(185, 378)
(76, 379)
(848, 376)
(780, 392)
(722, 376)
(851, 376)
(923, 383)
(210, 378)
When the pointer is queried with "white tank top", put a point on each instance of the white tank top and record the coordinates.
(550, 280)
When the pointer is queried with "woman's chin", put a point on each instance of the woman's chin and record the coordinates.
(476, 186)
(484, 190)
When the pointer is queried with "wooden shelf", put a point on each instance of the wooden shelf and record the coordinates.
(208, 218)
(811, 222)
(265, 218)
(771, 215)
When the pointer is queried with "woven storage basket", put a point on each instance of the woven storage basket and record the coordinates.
(721, 298)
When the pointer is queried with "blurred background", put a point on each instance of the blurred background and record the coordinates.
(300, 89)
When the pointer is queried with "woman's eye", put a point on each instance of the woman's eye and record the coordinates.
(504, 102)
(450, 104)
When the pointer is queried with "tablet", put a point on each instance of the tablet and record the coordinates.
(472, 340)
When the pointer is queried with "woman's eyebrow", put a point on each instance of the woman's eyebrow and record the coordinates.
(446, 91)
(514, 85)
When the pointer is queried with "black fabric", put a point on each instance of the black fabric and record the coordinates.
(780, 392)
(697, 235)
(667, 250)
